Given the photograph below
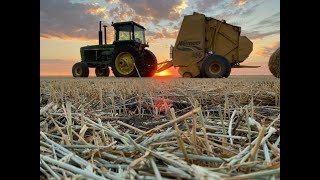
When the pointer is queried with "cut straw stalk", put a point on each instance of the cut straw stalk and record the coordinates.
(71, 168)
(255, 174)
(164, 140)
(64, 151)
(255, 148)
(155, 169)
(131, 127)
(224, 136)
(100, 98)
(69, 122)
(45, 165)
(224, 140)
(45, 109)
(169, 123)
(230, 125)
(92, 123)
(178, 135)
(203, 128)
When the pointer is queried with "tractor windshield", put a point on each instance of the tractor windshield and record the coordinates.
(125, 32)
(139, 35)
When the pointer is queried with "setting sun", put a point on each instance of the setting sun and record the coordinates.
(163, 73)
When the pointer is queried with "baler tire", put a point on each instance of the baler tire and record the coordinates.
(215, 66)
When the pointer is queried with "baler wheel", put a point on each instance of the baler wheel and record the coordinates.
(187, 75)
(215, 66)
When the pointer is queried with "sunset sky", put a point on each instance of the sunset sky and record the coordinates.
(65, 26)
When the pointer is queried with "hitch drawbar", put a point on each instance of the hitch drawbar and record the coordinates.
(164, 65)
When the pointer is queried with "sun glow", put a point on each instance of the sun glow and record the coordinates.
(163, 73)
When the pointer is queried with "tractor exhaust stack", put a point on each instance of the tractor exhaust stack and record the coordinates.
(105, 34)
(100, 34)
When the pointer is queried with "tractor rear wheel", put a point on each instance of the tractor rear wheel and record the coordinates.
(215, 66)
(124, 60)
(102, 71)
(150, 64)
(80, 70)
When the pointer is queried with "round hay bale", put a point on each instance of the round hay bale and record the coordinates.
(274, 63)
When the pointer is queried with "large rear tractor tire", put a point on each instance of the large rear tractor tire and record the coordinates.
(102, 71)
(274, 63)
(124, 60)
(215, 66)
(150, 64)
(80, 70)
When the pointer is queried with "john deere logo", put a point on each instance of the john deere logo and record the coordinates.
(188, 45)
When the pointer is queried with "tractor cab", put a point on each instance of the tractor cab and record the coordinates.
(129, 32)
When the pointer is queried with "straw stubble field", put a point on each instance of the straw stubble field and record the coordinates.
(116, 128)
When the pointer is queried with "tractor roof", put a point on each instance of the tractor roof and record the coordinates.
(127, 23)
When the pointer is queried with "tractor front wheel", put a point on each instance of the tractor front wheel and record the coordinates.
(102, 71)
(215, 66)
(80, 70)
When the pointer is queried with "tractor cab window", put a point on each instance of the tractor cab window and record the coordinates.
(139, 35)
(125, 33)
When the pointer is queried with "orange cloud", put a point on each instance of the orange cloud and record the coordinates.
(268, 49)
(113, 1)
(95, 11)
(242, 2)
(65, 37)
(182, 6)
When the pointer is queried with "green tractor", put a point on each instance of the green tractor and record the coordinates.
(127, 55)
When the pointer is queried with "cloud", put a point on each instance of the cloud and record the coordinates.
(254, 35)
(226, 9)
(66, 20)
(238, 9)
(205, 5)
(164, 33)
(266, 27)
(268, 50)
(158, 10)
(241, 2)
(78, 21)
(271, 21)
(75, 21)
